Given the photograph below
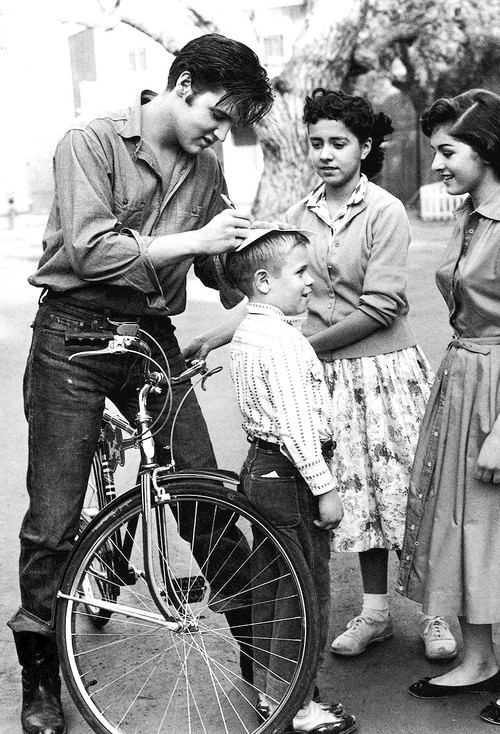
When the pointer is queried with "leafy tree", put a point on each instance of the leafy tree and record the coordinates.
(421, 48)
(430, 48)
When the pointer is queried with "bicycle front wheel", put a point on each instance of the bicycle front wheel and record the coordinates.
(219, 566)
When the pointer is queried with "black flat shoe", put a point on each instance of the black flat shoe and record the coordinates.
(491, 713)
(424, 689)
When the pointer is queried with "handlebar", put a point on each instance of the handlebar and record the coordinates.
(122, 343)
(115, 343)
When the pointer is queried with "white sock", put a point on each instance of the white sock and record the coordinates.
(378, 603)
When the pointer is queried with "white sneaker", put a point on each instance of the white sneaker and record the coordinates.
(361, 632)
(316, 716)
(438, 640)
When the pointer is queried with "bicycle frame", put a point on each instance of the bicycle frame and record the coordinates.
(149, 474)
(184, 596)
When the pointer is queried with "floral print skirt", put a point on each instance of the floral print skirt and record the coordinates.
(378, 403)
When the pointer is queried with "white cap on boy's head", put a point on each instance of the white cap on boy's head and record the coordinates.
(256, 234)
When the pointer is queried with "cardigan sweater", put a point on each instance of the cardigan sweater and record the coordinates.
(362, 266)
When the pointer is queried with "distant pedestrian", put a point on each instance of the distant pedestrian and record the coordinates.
(451, 555)
(378, 378)
(11, 212)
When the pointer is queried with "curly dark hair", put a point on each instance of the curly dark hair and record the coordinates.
(473, 118)
(357, 114)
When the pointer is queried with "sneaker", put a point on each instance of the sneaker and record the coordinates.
(361, 632)
(316, 718)
(265, 707)
(438, 640)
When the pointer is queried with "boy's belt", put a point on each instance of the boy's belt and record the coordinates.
(327, 448)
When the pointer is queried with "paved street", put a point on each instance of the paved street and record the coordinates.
(372, 686)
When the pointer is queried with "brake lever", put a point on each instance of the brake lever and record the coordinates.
(208, 374)
(198, 367)
(118, 344)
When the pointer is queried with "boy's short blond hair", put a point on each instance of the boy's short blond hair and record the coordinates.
(268, 252)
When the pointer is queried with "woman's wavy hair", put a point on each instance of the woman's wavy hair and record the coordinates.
(473, 118)
(357, 114)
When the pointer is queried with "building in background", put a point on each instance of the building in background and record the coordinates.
(51, 71)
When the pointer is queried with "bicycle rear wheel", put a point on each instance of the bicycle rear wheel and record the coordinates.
(136, 675)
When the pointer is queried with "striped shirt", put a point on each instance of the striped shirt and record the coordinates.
(281, 392)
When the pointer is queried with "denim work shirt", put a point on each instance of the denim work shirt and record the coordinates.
(110, 204)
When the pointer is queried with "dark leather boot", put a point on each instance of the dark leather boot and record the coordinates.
(41, 708)
(240, 623)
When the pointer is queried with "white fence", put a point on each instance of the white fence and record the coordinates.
(436, 203)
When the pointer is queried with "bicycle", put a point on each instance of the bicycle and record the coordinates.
(155, 574)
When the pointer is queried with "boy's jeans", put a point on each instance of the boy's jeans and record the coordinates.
(288, 503)
(64, 402)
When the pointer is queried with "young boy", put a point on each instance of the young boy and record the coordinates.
(284, 403)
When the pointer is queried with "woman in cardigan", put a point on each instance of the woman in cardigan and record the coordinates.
(378, 378)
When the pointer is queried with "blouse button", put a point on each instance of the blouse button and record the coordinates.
(412, 527)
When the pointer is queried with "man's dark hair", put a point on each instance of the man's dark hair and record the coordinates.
(215, 62)
(473, 118)
(357, 114)
(267, 253)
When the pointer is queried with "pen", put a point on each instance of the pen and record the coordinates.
(228, 201)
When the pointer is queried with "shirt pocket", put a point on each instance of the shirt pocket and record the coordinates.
(129, 212)
(193, 217)
(276, 498)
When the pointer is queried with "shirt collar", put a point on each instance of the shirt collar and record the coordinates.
(490, 207)
(357, 196)
(132, 125)
(265, 309)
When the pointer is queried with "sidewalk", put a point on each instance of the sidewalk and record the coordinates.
(372, 686)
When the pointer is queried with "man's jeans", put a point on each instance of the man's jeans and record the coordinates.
(64, 402)
(288, 503)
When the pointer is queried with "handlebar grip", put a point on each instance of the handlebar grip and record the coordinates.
(87, 338)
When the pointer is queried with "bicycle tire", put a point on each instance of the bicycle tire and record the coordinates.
(137, 676)
(97, 583)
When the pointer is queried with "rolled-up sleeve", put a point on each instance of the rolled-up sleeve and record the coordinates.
(384, 287)
(210, 269)
(99, 246)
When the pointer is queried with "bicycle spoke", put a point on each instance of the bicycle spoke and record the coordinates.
(137, 676)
